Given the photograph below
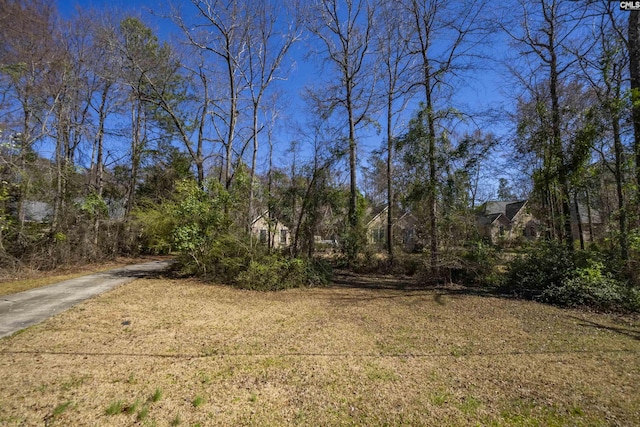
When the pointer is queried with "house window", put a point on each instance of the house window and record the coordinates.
(263, 236)
(283, 237)
(501, 231)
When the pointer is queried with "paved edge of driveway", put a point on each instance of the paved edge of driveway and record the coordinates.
(23, 309)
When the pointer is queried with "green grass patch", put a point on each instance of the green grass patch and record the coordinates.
(132, 408)
(197, 401)
(114, 408)
(176, 421)
(143, 413)
(58, 410)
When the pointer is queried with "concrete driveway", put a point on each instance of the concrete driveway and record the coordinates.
(21, 310)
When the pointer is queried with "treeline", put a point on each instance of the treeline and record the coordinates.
(103, 125)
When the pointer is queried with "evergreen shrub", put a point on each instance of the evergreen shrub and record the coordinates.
(549, 272)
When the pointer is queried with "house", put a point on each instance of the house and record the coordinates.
(377, 225)
(270, 231)
(37, 211)
(505, 222)
(586, 222)
(405, 231)
(404, 228)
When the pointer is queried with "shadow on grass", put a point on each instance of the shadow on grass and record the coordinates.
(632, 333)
(409, 284)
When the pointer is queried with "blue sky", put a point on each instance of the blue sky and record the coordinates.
(483, 89)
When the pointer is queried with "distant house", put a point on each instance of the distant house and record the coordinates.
(377, 225)
(270, 231)
(586, 222)
(405, 231)
(504, 222)
(404, 228)
(37, 212)
(115, 208)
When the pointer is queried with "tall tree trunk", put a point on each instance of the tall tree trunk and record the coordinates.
(578, 220)
(432, 185)
(136, 148)
(57, 203)
(102, 117)
(22, 164)
(63, 164)
(557, 141)
(589, 216)
(389, 175)
(353, 193)
(634, 72)
(269, 188)
(254, 160)
(233, 116)
(619, 161)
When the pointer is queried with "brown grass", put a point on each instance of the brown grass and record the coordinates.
(336, 356)
(24, 280)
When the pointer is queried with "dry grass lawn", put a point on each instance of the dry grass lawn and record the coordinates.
(178, 352)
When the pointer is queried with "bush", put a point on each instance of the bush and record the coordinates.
(222, 259)
(319, 272)
(195, 222)
(408, 264)
(275, 272)
(377, 261)
(479, 265)
(550, 273)
(593, 287)
(546, 264)
(272, 273)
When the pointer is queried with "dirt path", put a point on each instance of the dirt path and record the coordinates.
(24, 309)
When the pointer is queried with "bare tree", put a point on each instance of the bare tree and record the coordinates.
(74, 90)
(267, 47)
(445, 45)
(395, 64)
(345, 30)
(545, 37)
(109, 99)
(27, 52)
(630, 37)
(221, 29)
(604, 69)
(634, 71)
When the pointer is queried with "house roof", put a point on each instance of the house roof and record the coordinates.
(507, 208)
(376, 211)
(495, 207)
(407, 219)
(262, 215)
(265, 215)
(513, 209)
(492, 218)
